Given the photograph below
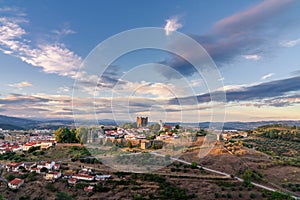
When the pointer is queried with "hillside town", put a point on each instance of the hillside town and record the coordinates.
(51, 172)
(61, 160)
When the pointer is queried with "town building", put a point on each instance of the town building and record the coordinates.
(14, 167)
(29, 165)
(157, 144)
(102, 177)
(88, 188)
(84, 177)
(16, 183)
(72, 181)
(52, 176)
(67, 175)
(48, 165)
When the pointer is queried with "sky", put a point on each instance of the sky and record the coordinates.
(45, 47)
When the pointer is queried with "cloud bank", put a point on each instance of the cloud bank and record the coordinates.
(241, 34)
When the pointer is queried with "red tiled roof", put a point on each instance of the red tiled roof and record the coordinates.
(82, 175)
(16, 181)
(72, 180)
(53, 173)
(14, 164)
(89, 188)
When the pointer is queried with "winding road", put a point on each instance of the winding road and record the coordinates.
(226, 174)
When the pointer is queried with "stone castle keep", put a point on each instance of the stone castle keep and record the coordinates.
(141, 121)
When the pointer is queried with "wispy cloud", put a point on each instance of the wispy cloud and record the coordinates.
(63, 90)
(39, 105)
(279, 93)
(267, 76)
(12, 10)
(172, 24)
(295, 73)
(11, 35)
(252, 57)
(51, 57)
(8, 9)
(243, 33)
(21, 84)
(64, 31)
(290, 43)
(273, 89)
(249, 18)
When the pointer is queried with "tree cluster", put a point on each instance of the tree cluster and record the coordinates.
(65, 135)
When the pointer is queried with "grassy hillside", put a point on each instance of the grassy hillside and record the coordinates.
(279, 131)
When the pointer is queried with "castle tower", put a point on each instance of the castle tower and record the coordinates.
(141, 121)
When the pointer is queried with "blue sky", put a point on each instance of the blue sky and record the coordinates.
(255, 45)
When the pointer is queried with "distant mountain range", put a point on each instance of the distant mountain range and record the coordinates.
(251, 125)
(16, 123)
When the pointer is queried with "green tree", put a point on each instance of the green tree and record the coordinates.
(154, 127)
(153, 145)
(65, 135)
(129, 125)
(194, 165)
(278, 196)
(202, 132)
(177, 126)
(129, 144)
(63, 196)
(10, 177)
(33, 149)
(82, 134)
(32, 176)
(50, 187)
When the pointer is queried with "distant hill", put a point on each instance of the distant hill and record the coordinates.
(10, 127)
(279, 131)
(7, 122)
(253, 125)
(241, 125)
(17, 122)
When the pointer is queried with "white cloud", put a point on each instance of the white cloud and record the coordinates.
(13, 10)
(252, 57)
(10, 34)
(172, 25)
(8, 9)
(196, 82)
(233, 87)
(267, 76)
(290, 43)
(20, 85)
(64, 31)
(63, 90)
(52, 58)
